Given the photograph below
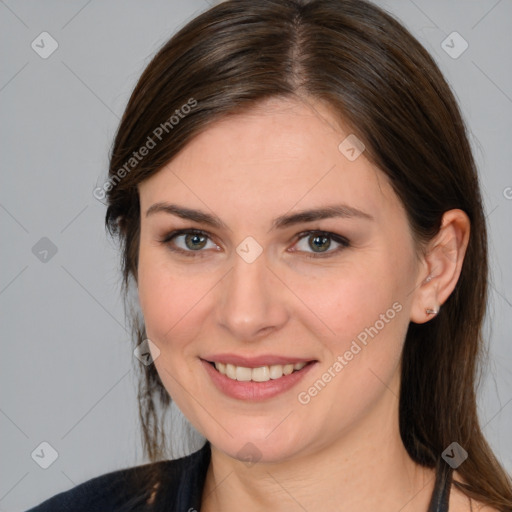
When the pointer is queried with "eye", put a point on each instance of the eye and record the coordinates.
(191, 242)
(320, 242)
(188, 242)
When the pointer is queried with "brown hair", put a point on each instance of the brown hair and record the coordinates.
(382, 83)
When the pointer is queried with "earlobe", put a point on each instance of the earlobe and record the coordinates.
(443, 262)
(426, 304)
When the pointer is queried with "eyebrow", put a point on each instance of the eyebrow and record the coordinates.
(326, 212)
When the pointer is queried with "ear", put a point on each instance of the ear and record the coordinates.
(440, 266)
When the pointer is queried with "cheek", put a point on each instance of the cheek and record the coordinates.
(364, 316)
(369, 320)
(169, 304)
(166, 299)
(349, 300)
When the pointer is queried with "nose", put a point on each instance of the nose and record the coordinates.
(252, 302)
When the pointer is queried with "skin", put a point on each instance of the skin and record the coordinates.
(341, 451)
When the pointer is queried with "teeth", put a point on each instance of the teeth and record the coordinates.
(261, 374)
(243, 374)
(287, 369)
(276, 371)
(230, 371)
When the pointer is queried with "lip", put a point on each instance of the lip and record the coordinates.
(257, 391)
(254, 362)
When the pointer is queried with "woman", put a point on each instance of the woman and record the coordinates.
(300, 212)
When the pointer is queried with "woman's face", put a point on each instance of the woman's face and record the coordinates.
(260, 287)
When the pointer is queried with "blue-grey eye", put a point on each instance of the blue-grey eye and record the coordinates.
(194, 241)
(320, 242)
(188, 241)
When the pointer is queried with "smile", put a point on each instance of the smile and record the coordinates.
(257, 382)
(260, 374)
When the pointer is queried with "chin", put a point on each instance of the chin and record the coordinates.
(253, 446)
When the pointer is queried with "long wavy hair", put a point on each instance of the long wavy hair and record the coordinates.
(386, 87)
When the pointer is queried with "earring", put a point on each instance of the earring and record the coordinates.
(429, 311)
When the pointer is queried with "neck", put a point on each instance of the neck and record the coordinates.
(367, 468)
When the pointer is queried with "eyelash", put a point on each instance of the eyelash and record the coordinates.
(344, 243)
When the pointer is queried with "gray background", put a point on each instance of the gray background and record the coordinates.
(66, 368)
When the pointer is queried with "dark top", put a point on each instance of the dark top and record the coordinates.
(184, 482)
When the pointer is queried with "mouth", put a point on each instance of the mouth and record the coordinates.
(258, 374)
(258, 381)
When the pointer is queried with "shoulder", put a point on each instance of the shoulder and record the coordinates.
(118, 490)
(465, 504)
(110, 491)
(460, 502)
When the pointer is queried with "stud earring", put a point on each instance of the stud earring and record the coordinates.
(429, 311)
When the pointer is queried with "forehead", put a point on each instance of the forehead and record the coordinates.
(278, 156)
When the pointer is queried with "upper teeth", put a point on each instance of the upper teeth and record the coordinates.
(261, 374)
